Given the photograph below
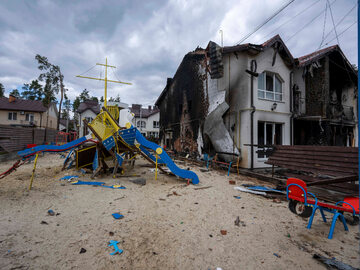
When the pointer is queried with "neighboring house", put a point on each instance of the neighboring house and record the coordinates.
(146, 120)
(27, 113)
(89, 110)
(86, 110)
(233, 99)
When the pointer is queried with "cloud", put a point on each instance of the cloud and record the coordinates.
(146, 40)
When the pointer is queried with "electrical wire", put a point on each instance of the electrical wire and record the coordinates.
(313, 19)
(293, 17)
(88, 70)
(323, 33)
(265, 22)
(340, 33)
(332, 18)
(341, 20)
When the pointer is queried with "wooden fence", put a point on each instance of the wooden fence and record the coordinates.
(16, 138)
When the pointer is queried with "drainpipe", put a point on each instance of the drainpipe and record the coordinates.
(291, 78)
(252, 72)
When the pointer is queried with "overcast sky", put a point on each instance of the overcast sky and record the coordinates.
(147, 40)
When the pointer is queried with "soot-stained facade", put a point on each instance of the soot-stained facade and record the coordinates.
(237, 100)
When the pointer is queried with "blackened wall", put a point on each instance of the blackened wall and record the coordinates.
(183, 104)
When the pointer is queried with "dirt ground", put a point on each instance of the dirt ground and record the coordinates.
(167, 224)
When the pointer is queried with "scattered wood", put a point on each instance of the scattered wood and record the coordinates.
(202, 188)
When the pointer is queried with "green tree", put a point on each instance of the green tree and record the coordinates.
(55, 77)
(15, 93)
(2, 90)
(102, 99)
(49, 95)
(33, 91)
(84, 95)
(67, 107)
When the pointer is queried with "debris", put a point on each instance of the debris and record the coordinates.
(263, 188)
(82, 250)
(204, 169)
(237, 221)
(175, 193)
(69, 177)
(154, 253)
(223, 232)
(161, 199)
(333, 264)
(114, 243)
(181, 222)
(139, 181)
(51, 212)
(97, 184)
(202, 187)
(117, 216)
(232, 182)
(44, 222)
(276, 200)
(119, 198)
(111, 233)
(277, 255)
(237, 197)
(210, 235)
(250, 191)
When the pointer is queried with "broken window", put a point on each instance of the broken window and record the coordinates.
(268, 134)
(29, 117)
(270, 86)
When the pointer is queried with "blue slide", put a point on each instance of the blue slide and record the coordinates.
(167, 160)
(52, 148)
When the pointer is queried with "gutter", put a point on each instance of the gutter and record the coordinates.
(291, 78)
(253, 73)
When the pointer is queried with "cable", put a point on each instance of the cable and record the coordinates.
(332, 18)
(293, 17)
(323, 33)
(343, 18)
(88, 70)
(265, 22)
(313, 19)
(341, 33)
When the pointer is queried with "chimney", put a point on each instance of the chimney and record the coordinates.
(12, 98)
(149, 107)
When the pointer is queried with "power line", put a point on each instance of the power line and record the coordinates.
(341, 20)
(265, 22)
(332, 18)
(341, 33)
(323, 33)
(293, 17)
(313, 19)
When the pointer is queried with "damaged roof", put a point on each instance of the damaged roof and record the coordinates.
(275, 42)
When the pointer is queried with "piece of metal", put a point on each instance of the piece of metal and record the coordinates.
(33, 172)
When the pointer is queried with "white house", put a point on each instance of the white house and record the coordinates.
(146, 120)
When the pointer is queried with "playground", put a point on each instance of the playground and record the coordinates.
(167, 224)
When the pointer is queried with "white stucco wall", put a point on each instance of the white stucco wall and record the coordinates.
(149, 124)
(83, 115)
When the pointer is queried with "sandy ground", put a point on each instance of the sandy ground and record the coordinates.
(160, 230)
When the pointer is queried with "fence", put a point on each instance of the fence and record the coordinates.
(16, 138)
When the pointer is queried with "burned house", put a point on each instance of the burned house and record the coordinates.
(239, 100)
(325, 104)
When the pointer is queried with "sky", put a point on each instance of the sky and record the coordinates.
(146, 40)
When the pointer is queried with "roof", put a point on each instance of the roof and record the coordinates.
(92, 105)
(145, 113)
(275, 41)
(22, 105)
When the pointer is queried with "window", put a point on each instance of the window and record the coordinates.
(12, 116)
(155, 124)
(89, 119)
(270, 86)
(141, 124)
(29, 117)
(268, 134)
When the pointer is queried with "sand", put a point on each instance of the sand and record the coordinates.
(167, 224)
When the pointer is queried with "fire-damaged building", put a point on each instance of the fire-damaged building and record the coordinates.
(237, 101)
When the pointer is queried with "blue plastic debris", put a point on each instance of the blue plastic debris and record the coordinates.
(51, 212)
(277, 255)
(117, 216)
(100, 184)
(237, 197)
(69, 177)
(114, 243)
(262, 188)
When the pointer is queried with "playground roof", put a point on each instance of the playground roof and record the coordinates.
(22, 105)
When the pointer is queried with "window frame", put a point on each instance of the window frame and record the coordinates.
(28, 117)
(139, 124)
(12, 118)
(266, 93)
(273, 132)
